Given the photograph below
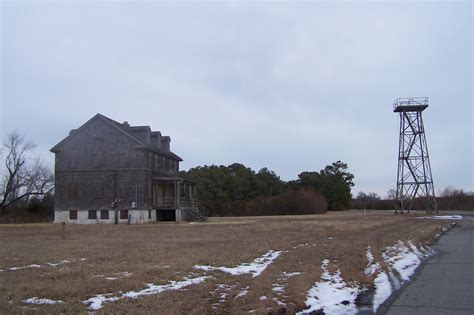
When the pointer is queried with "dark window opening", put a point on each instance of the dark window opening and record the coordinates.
(149, 214)
(73, 215)
(104, 214)
(123, 214)
(165, 215)
(92, 215)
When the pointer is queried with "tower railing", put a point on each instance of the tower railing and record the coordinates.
(410, 101)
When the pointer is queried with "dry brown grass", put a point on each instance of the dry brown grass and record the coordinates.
(159, 253)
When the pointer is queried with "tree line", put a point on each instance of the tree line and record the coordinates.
(447, 199)
(238, 190)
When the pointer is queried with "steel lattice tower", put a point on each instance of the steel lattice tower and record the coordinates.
(414, 179)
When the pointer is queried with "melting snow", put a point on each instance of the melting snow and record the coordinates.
(242, 293)
(36, 300)
(25, 267)
(331, 294)
(96, 302)
(444, 217)
(256, 267)
(383, 290)
(263, 298)
(59, 263)
(290, 274)
(400, 258)
(372, 266)
(278, 288)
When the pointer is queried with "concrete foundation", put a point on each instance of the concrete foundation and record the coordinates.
(134, 216)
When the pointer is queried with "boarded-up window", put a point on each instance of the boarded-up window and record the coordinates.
(73, 215)
(98, 189)
(123, 188)
(73, 191)
(104, 214)
(124, 160)
(150, 159)
(92, 215)
(98, 152)
(97, 159)
(123, 214)
(73, 155)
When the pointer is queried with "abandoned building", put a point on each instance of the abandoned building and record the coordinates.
(111, 172)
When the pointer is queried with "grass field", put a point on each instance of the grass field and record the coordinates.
(101, 259)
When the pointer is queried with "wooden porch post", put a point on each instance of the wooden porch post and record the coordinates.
(178, 199)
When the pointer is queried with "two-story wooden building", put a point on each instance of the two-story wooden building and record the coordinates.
(110, 172)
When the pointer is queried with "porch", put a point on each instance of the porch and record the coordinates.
(175, 199)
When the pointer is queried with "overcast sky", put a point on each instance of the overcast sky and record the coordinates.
(290, 86)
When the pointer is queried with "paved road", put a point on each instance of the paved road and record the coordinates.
(445, 284)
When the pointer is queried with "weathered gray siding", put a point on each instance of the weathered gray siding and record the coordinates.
(100, 163)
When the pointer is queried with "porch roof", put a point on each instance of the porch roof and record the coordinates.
(172, 179)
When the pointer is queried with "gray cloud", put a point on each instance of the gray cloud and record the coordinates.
(289, 86)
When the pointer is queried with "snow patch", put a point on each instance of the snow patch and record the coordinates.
(400, 258)
(25, 267)
(444, 217)
(96, 302)
(243, 292)
(38, 301)
(278, 288)
(383, 290)
(290, 274)
(372, 266)
(255, 268)
(60, 263)
(331, 294)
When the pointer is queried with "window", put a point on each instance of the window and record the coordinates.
(104, 214)
(98, 152)
(123, 214)
(73, 159)
(156, 160)
(124, 159)
(149, 214)
(92, 215)
(73, 215)
(123, 189)
(73, 191)
(98, 190)
(150, 157)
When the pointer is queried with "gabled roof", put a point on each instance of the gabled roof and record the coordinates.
(121, 128)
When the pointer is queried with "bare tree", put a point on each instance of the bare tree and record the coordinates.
(391, 194)
(22, 176)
